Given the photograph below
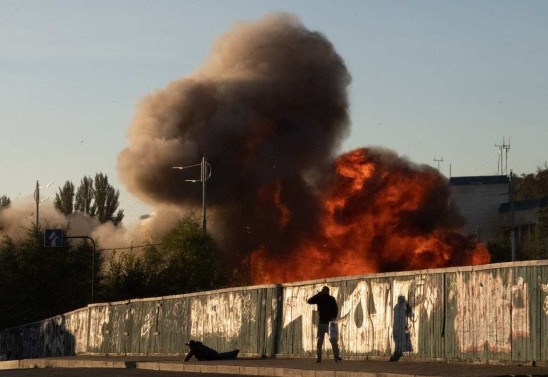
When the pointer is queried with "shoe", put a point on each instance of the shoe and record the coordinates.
(319, 360)
(338, 359)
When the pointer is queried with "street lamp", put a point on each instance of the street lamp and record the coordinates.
(205, 174)
(92, 262)
(37, 199)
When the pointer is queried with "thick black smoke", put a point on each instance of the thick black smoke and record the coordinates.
(269, 110)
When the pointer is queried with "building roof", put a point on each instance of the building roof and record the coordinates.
(479, 180)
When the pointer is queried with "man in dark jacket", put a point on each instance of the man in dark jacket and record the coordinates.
(204, 353)
(328, 310)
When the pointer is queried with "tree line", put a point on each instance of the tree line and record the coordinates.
(534, 239)
(95, 197)
(39, 282)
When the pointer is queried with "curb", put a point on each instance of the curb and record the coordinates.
(195, 368)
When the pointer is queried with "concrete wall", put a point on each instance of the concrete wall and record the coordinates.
(495, 312)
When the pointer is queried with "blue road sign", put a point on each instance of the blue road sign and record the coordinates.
(53, 238)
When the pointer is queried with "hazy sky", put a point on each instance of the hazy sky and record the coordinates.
(429, 79)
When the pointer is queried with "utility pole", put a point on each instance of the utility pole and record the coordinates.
(205, 174)
(37, 200)
(506, 148)
(513, 240)
(204, 177)
(438, 161)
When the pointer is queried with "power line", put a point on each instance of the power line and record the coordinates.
(132, 247)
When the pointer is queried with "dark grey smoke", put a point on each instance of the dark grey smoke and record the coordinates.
(269, 110)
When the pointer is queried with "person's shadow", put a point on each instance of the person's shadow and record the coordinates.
(400, 328)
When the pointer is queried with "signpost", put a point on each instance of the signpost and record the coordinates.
(53, 238)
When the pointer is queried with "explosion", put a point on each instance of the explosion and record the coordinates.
(381, 214)
(269, 109)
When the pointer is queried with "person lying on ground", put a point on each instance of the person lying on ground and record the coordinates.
(203, 353)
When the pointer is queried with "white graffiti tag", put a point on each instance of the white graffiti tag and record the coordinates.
(544, 288)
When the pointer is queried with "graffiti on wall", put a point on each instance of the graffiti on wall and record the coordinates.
(365, 320)
(457, 314)
(174, 318)
(544, 288)
(376, 316)
(149, 321)
(489, 312)
(77, 325)
(220, 315)
(295, 307)
(98, 325)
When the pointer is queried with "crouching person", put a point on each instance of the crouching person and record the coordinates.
(203, 353)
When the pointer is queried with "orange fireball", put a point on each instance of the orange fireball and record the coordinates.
(381, 213)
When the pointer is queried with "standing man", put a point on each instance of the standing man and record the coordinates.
(328, 310)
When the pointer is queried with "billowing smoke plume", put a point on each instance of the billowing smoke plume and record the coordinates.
(269, 110)
(17, 220)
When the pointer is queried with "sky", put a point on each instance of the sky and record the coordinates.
(431, 80)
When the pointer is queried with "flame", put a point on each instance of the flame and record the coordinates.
(381, 214)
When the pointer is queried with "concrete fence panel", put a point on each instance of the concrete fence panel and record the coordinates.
(487, 313)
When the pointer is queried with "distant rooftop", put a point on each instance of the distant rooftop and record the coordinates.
(479, 180)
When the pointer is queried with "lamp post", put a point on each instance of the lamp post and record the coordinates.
(37, 200)
(205, 174)
(92, 262)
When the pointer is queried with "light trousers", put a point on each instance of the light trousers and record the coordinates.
(323, 328)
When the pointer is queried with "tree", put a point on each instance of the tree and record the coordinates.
(84, 197)
(39, 282)
(106, 200)
(535, 245)
(535, 240)
(96, 197)
(64, 199)
(532, 185)
(128, 277)
(185, 260)
(4, 201)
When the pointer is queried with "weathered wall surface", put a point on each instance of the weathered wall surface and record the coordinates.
(496, 312)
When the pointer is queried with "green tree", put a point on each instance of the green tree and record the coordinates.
(128, 277)
(106, 200)
(96, 197)
(535, 245)
(39, 282)
(184, 260)
(4, 201)
(84, 197)
(64, 199)
(533, 185)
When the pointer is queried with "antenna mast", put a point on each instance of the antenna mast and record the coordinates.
(502, 162)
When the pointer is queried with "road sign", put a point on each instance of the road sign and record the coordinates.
(53, 238)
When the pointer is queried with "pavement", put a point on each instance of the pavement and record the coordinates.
(284, 367)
